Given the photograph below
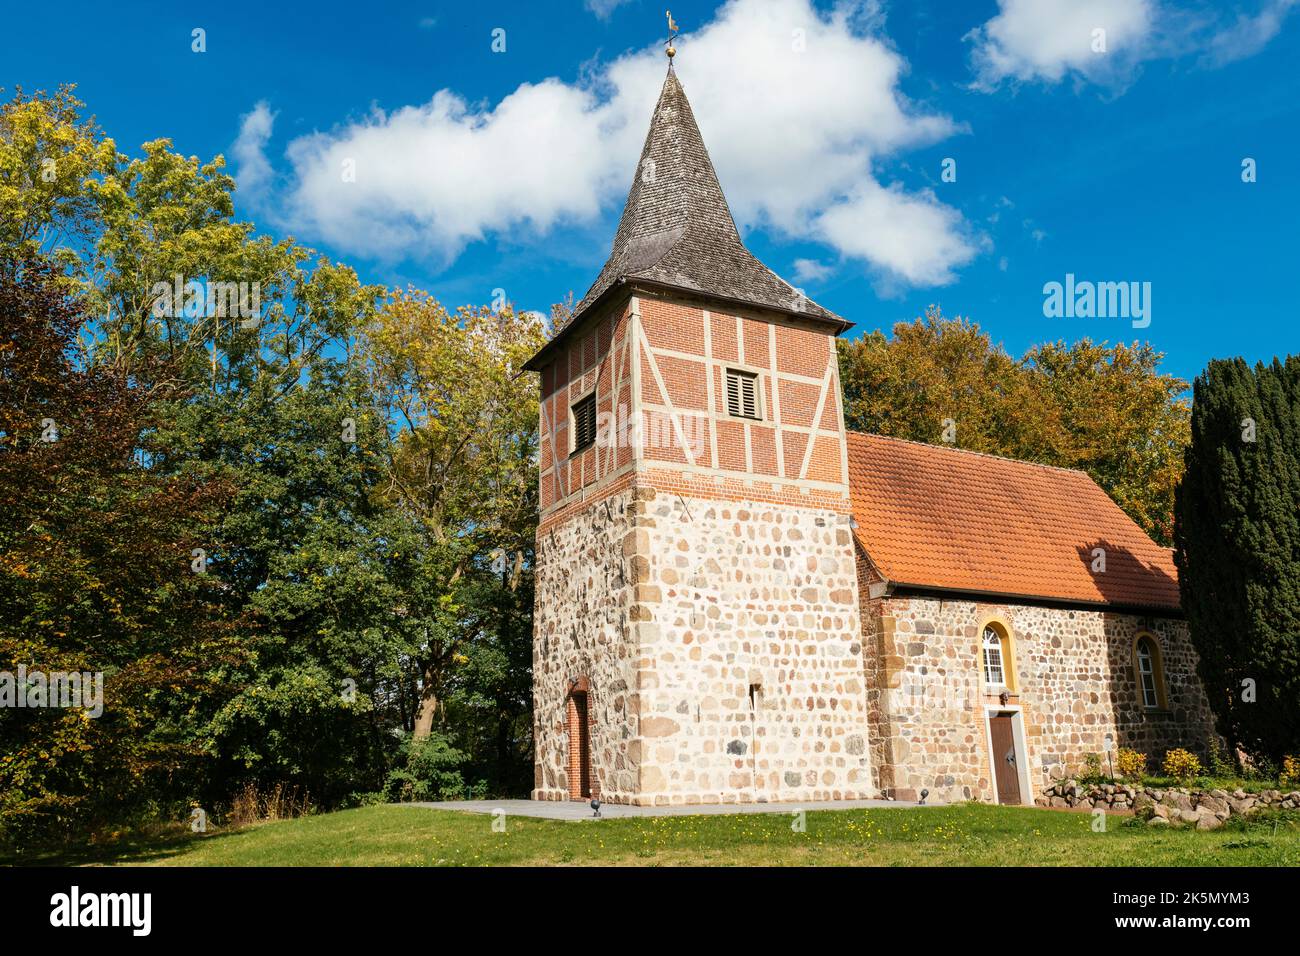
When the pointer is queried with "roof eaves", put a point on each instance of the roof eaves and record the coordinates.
(1160, 610)
(886, 585)
(543, 355)
(837, 323)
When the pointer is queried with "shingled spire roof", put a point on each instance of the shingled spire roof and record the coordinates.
(677, 231)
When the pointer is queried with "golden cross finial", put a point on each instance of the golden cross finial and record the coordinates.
(672, 35)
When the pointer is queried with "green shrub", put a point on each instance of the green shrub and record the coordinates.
(1091, 769)
(1266, 819)
(1220, 763)
(370, 798)
(430, 770)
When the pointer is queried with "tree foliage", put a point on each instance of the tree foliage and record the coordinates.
(1238, 549)
(51, 162)
(464, 467)
(375, 482)
(1104, 409)
(96, 574)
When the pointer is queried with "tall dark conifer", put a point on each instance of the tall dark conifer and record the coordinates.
(1237, 531)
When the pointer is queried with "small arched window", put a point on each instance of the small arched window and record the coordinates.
(1150, 672)
(999, 660)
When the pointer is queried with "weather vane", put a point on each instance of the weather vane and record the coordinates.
(672, 35)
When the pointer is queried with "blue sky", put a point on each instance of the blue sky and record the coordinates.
(477, 170)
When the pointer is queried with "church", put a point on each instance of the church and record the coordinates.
(738, 600)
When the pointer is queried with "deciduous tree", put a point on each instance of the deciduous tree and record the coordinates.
(100, 572)
(1105, 409)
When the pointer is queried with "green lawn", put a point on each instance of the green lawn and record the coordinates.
(971, 834)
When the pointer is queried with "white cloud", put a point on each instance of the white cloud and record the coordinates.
(915, 238)
(1051, 40)
(770, 84)
(249, 149)
(810, 270)
(1048, 39)
(603, 8)
(441, 175)
(1248, 34)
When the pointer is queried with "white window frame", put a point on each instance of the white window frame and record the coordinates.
(995, 644)
(1147, 674)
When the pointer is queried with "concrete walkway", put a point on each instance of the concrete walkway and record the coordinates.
(580, 810)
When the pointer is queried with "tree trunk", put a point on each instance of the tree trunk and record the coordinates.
(505, 770)
(428, 707)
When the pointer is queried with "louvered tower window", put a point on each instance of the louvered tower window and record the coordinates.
(584, 423)
(742, 393)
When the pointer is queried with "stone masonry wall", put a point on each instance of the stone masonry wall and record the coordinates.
(733, 594)
(1076, 685)
(581, 629)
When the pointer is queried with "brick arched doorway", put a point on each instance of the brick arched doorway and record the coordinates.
(579, 734)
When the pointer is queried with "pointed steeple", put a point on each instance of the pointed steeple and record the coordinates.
(677, 231)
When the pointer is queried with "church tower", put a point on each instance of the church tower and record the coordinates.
(697, 630)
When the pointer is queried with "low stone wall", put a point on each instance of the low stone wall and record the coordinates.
(1204, 809)
(1070, 794)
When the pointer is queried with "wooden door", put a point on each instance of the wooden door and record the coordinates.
(1006, 769)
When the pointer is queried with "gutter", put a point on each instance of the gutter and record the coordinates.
(1056, 603)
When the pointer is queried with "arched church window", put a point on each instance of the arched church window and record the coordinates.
(1150, 671)
(994, 674)
(998, 650)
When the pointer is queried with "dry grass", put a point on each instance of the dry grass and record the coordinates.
(251, 806)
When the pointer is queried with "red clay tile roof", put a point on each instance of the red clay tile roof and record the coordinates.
(941, 518)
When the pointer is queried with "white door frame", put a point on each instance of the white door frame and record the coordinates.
(1017, 741)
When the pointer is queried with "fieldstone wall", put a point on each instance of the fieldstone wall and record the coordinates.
(739, 594)
(727, 658)
(581, 629)
(1076, 684)
(672, 608)
(1203, 809)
